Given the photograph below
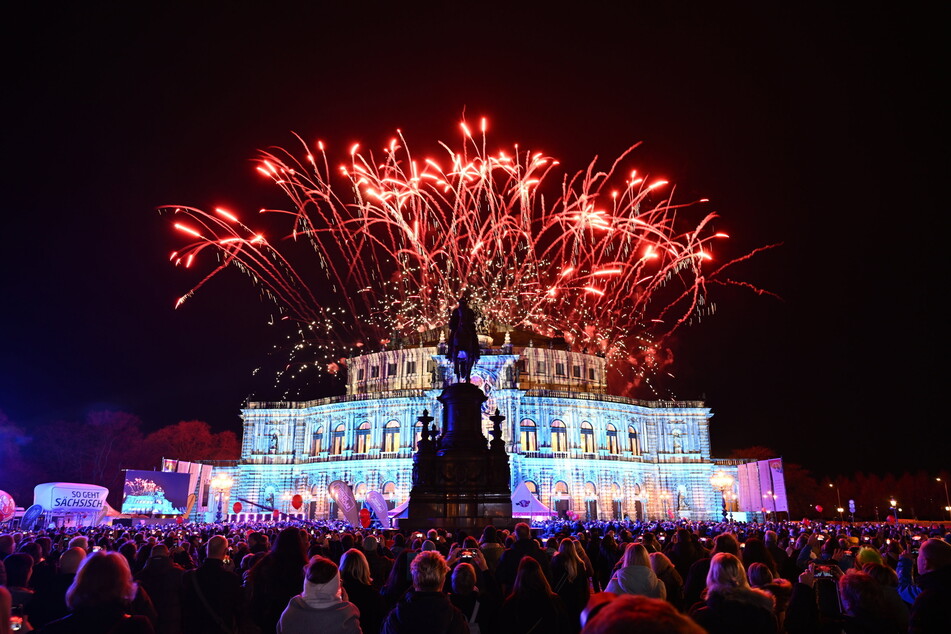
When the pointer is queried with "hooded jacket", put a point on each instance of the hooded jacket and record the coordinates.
(423, 612)
(320, 608)
(637, 580)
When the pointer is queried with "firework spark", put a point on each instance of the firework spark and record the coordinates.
(607, 260)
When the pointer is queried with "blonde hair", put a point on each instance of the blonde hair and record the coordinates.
(570, 558)
(102, 578)
(429, 571)
(726, 571)
(354, 565)
(636, 555)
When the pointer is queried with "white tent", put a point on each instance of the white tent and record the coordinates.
(524, 504)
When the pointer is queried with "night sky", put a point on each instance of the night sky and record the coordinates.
(817, 128)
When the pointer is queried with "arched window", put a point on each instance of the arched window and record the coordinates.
(336, 440)
(317, 444)
(391, 437)
(528, 436)
(363, 437)
(360, 492)
(591, 501)
(560, 499)
(632, 439)
(417, 434)
(613, 447)
(559, 436)
(616, 501)
(587, 437)
(389, 494)
(532, 487)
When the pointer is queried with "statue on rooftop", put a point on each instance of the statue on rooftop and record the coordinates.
(463, 348)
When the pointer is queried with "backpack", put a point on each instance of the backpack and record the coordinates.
(473, 626)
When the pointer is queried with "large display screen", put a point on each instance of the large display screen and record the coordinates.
(155, 493)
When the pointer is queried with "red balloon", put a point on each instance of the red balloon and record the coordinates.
(818, 508)
(237, 507)
(365, 518)
(179, 519)
(297, 501)
(277, 514)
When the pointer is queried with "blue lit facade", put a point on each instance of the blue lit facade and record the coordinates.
(578, 447)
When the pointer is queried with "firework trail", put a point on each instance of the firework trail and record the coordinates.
(603, 258)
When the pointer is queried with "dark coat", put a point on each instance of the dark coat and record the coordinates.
(370, 603)
(932, 609)
(109, 618)
(512, 557)
(520, 614)
(162, 579)
(222, 592)
(425, 612)
(737, 611)
(50, 600)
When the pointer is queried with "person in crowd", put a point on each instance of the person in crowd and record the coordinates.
(100, 599)
(380, 564)
(275, 578)
(863, 606)
(524, 546)
(162, 579)
(897, 610)
(762, 578)
(633, 613)
(668, 575)
(399, 581)
(479, 611)
(731, 605)
(50, 600)
(635, 576)
(532, 606)
(491, 548)
(19, 570)
(609, 555)
(358, 584)
(755, 551)
(426, 608)
(571, 581)
(932, 608)
(683, 551)
(784, 567)
(696, 579)
(211, 593)
(650, 542)
(321, 606)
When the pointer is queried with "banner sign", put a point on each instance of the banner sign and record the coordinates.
(70, 497)
(343, 496)
(377, 503)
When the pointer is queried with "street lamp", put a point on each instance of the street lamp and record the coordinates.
(221, 483)
(894, 504)
(722, 481)
(665, 497)
(946, 500)
(838, 497)
(840, 510)
(769, 495)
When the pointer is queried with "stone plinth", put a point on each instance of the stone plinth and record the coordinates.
(460, 480)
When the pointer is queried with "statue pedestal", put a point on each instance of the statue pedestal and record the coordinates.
(460, 480)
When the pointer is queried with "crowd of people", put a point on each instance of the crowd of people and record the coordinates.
(559, 577)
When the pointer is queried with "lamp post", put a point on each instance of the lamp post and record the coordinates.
(220, 483)
(838, 496)
(769, 495)
(665, 499)
(722, 481)
(947, 501)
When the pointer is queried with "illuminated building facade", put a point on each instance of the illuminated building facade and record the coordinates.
(577, 447)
